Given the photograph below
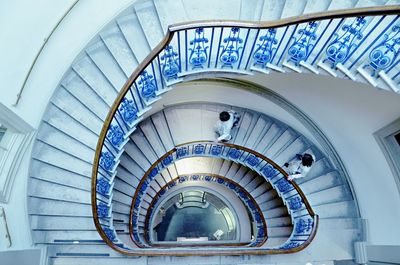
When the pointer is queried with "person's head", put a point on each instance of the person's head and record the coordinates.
(224, 116)
(307, 160)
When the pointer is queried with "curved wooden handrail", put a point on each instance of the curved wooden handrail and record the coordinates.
(46, 40)
(371, 11)
(147, 219)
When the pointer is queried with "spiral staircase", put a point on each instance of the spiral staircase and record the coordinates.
(63, 189)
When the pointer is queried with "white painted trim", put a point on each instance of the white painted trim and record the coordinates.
(389, 81)
(276, 68)
(14, 144)
(4, 226)
(390, 150)
(309, 67)
(360, 252)
(292, 66)
(44, 257)
(367, 76)
(346, 71)
(327, 69)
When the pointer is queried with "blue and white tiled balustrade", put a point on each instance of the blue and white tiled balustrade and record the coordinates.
(287, 190)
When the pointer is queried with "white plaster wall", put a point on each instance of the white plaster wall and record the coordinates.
(22, 33)
(349, 113)
(24, 26)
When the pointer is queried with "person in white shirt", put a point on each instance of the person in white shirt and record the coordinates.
(300, 166)
(227, 120)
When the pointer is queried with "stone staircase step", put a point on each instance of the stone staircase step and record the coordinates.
(67, 124)
(170, 12)
(49, 172)
(52, 155)
(62, 223)
(54, 237)
(86, 95)
(54, 137)
(118, 46)
(130, 27)
(106, 63)
(279, 222)
(150, 23)
(200, 11)
(313, 6)
(44, 189)
(91, 74)
(335, 194)
(43, 207)
(279, 231)
(77, 110)
(272, 10)
(336, 209)
(293, 8)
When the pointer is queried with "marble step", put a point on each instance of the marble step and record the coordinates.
(55, 174)
(44, 189)
(149, 21)
(170, 12)
(104, 60)
(51, 207)
(70, 126)
(54, 237)
(63, 223)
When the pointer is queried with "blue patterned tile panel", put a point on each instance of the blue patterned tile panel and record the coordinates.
(290, 245)
(342, 45)
(231, 48)
(110, 234)
(198, 51)
(295, 203)
(182, 151)
(385, 54)
(266, 49)
(167, 161)
(115, 135)
(304, 225)
(103, 210)
(303, 44)
(169, 63)
(216, 150)
(269, 171)
(107, 161)
(128, 110)
(234, 153)
(147, 85)
(283, 185)
(199, 149)
(103, 186)
(153, 173)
